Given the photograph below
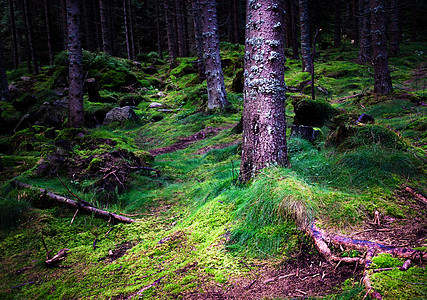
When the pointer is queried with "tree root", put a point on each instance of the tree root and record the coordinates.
(79, 205)
(321, 240)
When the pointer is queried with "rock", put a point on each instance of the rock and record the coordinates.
(306, 132)
(51, 114)
(159, 95)
(365, 119)
(120, 114)
(155, 105)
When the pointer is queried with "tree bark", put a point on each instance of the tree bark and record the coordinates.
(4, 86)
(131, 34)
(199, 41)
(30, 43)
(126, 19)
(294, 41)
(214, 76)
(49, 34)
(305, 36)
(235, 16)
(180, 28)
(16, 59)
(355, 30)
(158, 29)
(105, 27)
(337, 23)
(365, 46)
(382, 78)
(264, 122)
(170, 32)
(97, 24)
(75, 66)
(394, 28)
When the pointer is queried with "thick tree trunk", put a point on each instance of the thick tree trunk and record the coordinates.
(105, 27)
(337, 23)
(30, 43)
(4, 86)
(394, 28)
(382, 78)
(197, 18)
(305, 36)
(214, 76)
(75, 66)
(365, 46)
(170, 32)
(49, 34)
(264, 122)
(16, 59)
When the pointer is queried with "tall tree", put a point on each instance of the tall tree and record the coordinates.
(48, 33)
(214, 76)
(105, 27)
(131, 34)
(355, 31)
(170, 32)
(382, 78)
(158, 29)
(75, 66)
(294, 38)
(305, 35)
(197, 19)
(394, 27)
(127, 31)
(337, 23)
(264, 122)
(180, 29)
(365, 45)
(16, 59)
(30, 39)
(4, 87)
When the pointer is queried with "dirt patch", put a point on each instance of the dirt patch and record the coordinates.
(187, 141)
(306, 276)
(118, 252)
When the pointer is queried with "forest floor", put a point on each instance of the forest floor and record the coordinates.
(199, 233)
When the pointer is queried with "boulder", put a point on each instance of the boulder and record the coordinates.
(120, 114)
(156, 105)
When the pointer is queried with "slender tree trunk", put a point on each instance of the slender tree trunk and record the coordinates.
(305, 36)
(75, 66)
(264, 122)
(170, 32)
(382, 79)
(64, 27)
(294, 14)
(30, 39)
(355, 22)
(16, 59)
(125, 16)
(87, 41)
(158, 29)
(214, 76)
(180, 28)
(337, 23)
(105, 27)
(365, 45)
(131, 34)
(394, 28)
(49, 35)
(199, 41)
(236, 35)
(112, 27)
(4, 86)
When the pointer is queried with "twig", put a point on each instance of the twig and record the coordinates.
(249, 286)
(109, 230)
(45, 247)
(75, 214)
(72, 194)
(22, 284)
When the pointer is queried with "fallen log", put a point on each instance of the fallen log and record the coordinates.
(99, 213)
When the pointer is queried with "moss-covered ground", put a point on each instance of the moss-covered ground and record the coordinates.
(197, 228)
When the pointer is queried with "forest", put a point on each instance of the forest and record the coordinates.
(213, 149)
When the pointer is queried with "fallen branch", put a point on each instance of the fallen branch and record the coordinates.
(57, 258)
(416, 194)
(81, 206)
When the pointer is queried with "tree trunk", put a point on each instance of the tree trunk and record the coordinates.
(180, 28)
(288, 23)
(355, 30)
(132, 37)
(170, 32)
(414, 13)
(337, 23)
(382, 79)
(394, 28)
(214, 76)
(30, 43)
(16, 59)
(64, 27)
(305, 36)
(264, 121)
(365, 46)
(158, 29)
(49, 35)
(105, 27)
(294, 14)
(125, 17)
(235, 14)
(197, 18)
(75, 66)
(4, 86)
(97, 23)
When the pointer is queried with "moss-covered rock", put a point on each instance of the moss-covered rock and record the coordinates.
(314, 113)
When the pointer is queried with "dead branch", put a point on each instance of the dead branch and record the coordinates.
(90, 209)
(416, 194)
(57, 258)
